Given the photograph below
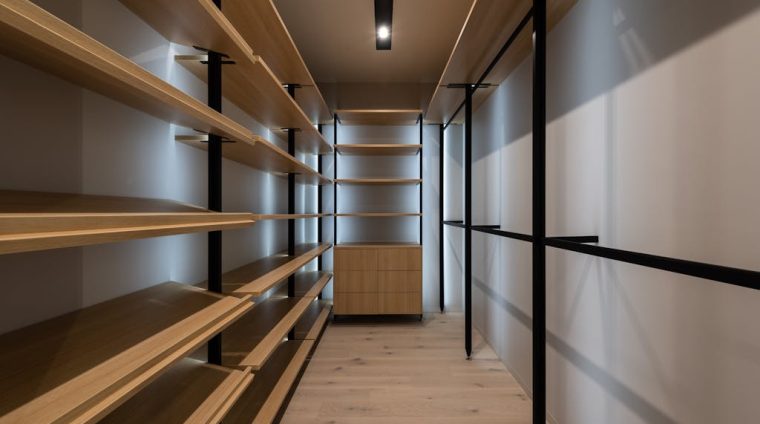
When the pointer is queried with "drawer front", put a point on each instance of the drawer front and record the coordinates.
(355, 281)
(414, 259)
(355, 304)
(399, 281)
(400, 303)
(355, 259)
(397, 259)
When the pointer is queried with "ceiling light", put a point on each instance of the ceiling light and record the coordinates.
(383, 24)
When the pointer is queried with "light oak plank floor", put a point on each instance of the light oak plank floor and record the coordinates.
(406, 372)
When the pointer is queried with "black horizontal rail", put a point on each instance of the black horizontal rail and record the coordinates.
(496, 59)
(459, 224)
(723, 274)
(489, 229)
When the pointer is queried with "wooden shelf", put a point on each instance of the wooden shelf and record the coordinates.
(365, 245)
(34, 36)
(191, 391)
(379, 181)
(378, 149)
(32, 221)
(79, 366)
(313, 321)
(254, 338)
(280, 216)
(259, 23)
(262, 400)
(261, 154)
(258, 277)
(488, 26)
(249, 83)
(379, 116)
(379, 214)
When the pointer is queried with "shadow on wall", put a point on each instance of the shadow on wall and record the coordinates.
(635, 36)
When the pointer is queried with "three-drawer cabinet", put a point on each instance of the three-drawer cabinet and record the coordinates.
(378, 279)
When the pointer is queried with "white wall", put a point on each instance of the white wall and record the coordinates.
(63, 138)
(651, 145)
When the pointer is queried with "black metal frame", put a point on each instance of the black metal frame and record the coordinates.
(421, 179)
(335, 179)
(441, 299)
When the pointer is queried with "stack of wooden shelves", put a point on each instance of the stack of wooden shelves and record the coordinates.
(379, 278)
(131, 359)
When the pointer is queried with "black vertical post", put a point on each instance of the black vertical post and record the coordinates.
(319, 208)
(468, 219)
(214, 347)
(539, 211)
(421, 179)
(440, 224)
(335, 177)
(291, 208)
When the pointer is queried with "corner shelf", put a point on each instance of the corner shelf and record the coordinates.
(191, 391)
(252, 339)
(378, 149)
(257, 277)
(250, 83)
(50, 371)
(31, 221)
(259, 23)
(378, 181)
(378, 116)
(488, 26)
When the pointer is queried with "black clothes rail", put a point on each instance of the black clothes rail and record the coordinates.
(538, 239)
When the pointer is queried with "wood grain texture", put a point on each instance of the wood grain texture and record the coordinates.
(191, 391)
(263, 399)
(378, 149)
(488, 26)
(32, 221)
(261, 154)
(32, 35)
(406, 373)
(262, 27)
(379, 116)
(379, 181)
(82, 365)
(347, 281)
(249, 83)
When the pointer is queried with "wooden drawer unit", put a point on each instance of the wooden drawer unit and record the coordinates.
(373, 279)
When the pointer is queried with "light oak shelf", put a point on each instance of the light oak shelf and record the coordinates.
(259, 23)
(378, 214)
(310, 326)
(488, 26)
(80, 366)
(34, 36)
(191, 391)
(378, 181)
(280, 216)
(253, 339)
(249, 83)
(378, 149)
(31, 221)
(263, 399)
(378, 116)
(257, 277)
(261, 154)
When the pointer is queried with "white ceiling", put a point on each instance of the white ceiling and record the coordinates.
(337, 38)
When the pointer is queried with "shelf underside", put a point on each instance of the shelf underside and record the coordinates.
(81, 365)
(32, 221)
(488, 26)
(379, 116)
(249, 82)
(378, 149)
(252, 340)
(191, 391)
(376, 244)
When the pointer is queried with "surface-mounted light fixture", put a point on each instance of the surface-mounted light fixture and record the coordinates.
(383, 24)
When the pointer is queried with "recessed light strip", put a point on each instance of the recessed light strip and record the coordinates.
(383, 24)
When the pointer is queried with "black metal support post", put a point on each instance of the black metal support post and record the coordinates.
(335, 178)
(421, 178)
(319, 209)
(214, 270)
(469, 89)
(440, 213)
(539, 211)
(291, 207)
